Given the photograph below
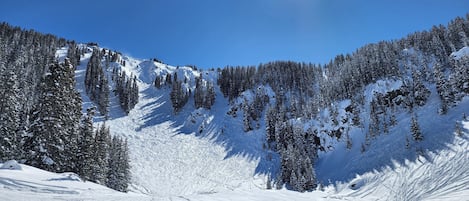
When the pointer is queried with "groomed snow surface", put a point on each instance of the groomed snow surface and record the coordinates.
(171, 162)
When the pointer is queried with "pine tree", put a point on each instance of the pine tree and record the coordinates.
(96, 83)
(53, 125)
(247, 116)
(355, 113)
(158, 82)
(86, 157)
(419, 92)
(442, 89)
(118, 176)
(103, 101)
(178, 95)
(73, 103)
(458, 129)
(415, 129)
(9, 114)
(101, 144)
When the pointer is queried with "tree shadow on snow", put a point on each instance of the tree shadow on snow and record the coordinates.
(342, 165)
(214, 125)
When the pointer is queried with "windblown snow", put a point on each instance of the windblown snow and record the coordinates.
(205, 155)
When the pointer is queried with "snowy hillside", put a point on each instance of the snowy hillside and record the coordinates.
(166, 161)
(31, 183)
(439, 176)
(207, 152)
(388, 122)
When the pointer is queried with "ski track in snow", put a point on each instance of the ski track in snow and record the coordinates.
(167, 163)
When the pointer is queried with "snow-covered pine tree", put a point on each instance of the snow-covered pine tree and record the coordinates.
(52, 124)
(103, 101)
(118, 175)
(101, 143)
(96, 82)
(204, 93)
(158, 83)
(72, 124)
(198, 93)
(419, 92)
(87, 148)
(9, 114)
(133, 93)
(442, 89)
(459, 79)
(415, 129)
(126, 89)
(73, 53)
(247, 116)
(178, 94)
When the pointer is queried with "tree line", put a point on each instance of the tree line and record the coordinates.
(302, 90)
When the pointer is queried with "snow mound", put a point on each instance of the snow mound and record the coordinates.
(33, 184)
(11, 165)
(463, 52)
(357, 183)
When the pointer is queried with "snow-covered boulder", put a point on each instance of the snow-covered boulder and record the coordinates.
(357, 183)
(11, 165)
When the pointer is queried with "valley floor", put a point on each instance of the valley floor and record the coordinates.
(439, 176)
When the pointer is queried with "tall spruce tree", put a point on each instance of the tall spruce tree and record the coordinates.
(87, 149)
(9, 114)
(101, 154)
(96, 82)
(53, 125)
(118, 176)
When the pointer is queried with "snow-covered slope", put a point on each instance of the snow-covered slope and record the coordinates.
(166, 161)
(439, 176)
(31, 183)
(201, 154)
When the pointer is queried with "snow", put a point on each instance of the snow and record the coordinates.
(463, 52)
(30, 184)
(61, 54)
(438, 176)
(11, 165)
(201, 154)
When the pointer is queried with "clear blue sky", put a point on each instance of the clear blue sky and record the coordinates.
(216, 33)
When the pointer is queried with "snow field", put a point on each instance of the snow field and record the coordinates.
(171, 162)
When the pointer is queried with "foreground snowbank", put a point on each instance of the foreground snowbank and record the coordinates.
(31, 183)
(437, 176)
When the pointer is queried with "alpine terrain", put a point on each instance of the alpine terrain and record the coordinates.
(386, 122)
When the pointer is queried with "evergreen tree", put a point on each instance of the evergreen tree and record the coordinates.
(118, 176)
(415, 129)
(247, 116)
(101, 144)
(9, 114)
(96, 82)
(73, 103)
(442, 89)
(158, 82)
(178, 95)
(52, 125)
(87, 149)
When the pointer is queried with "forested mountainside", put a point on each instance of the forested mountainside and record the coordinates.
(41, 117)
(307, 105)
(302, 113)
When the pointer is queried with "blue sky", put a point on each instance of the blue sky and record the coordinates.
(216, 33)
